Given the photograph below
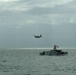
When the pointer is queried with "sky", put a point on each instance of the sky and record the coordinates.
(20, 20)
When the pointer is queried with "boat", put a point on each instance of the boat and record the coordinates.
(54, 53)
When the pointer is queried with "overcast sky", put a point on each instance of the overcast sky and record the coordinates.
(21, 19)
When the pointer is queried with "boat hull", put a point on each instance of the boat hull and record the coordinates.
(54, 53)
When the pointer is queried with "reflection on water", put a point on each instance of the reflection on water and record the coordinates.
(29, 62)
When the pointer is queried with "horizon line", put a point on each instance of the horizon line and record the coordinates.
(39, 48)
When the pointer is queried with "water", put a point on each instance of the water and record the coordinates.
(29, 62)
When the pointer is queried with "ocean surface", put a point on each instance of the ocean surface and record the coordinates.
(29, 62)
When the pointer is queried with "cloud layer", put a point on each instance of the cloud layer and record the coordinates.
(50, 12)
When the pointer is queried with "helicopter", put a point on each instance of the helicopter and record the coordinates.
(38, 36)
